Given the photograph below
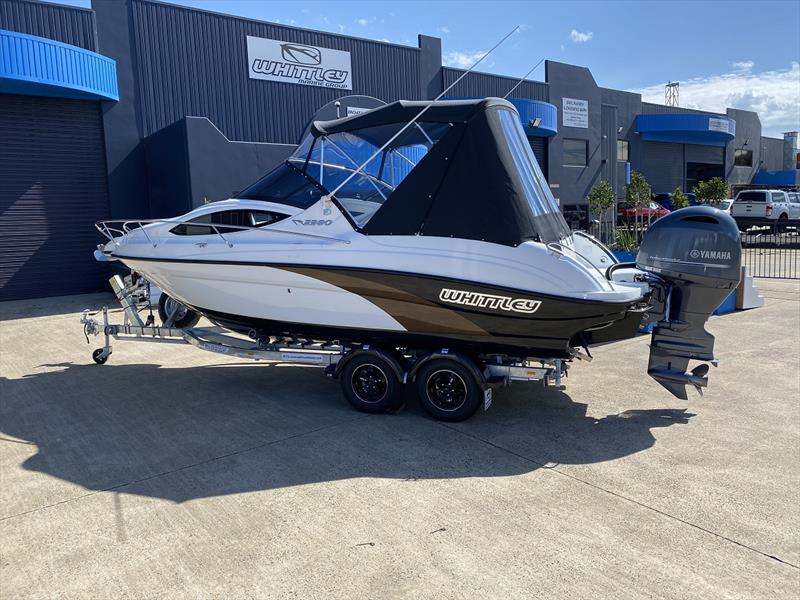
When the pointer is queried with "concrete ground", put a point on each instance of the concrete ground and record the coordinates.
(170, 472)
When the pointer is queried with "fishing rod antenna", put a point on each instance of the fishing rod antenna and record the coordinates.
(523, 78)
(422, 112)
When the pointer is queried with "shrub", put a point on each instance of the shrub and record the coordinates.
(679, 199)
(711, 191)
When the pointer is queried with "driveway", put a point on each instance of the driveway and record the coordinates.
(169, 472)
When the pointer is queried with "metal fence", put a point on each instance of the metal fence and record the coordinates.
(773, 255)
(770, 255)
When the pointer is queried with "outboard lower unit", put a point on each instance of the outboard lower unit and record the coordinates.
(696, 254)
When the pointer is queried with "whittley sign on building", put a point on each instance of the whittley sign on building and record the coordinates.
(273, 60)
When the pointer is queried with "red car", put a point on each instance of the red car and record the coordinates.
(628, 213)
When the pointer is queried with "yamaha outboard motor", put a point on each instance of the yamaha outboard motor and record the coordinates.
(696, 253)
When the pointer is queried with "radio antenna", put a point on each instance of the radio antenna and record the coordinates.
(524, 77)
(420, 113)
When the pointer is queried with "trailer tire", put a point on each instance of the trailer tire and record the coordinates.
(185, 318)
(370, 385)
(448, 390)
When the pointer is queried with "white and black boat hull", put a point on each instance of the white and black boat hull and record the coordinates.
(380, 306)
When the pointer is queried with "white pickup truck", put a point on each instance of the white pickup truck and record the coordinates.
(775, 209)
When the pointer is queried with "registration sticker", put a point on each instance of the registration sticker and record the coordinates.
(487, 398)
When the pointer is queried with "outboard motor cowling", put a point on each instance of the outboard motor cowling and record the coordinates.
(696, 252)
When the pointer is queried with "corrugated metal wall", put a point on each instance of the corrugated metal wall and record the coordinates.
(660, 109)
(52, 190)
(66, 24)
(608, 144)
(195, 63)
(485, 84)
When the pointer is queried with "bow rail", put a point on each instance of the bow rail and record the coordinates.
(115, 228)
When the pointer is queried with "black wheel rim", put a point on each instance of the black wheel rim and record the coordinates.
(446, 390)
(369, 382)
(170, 305)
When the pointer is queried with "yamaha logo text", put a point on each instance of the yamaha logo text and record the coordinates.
(520, 305)
(710, 254)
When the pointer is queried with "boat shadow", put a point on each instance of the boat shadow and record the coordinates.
(186, 433)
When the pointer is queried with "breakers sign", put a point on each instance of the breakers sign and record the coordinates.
(521, 305)
(273, 60)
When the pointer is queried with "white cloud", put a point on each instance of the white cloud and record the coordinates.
(362, 21)
(743, 65)
(774, 95)
(579, 37)
(444, 29)
(462, 59)
(341, 28)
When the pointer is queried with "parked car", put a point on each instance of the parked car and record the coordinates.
(775, 209)
(724, 205)
(627, 213)
(665, 200)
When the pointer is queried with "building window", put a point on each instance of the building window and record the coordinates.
(622, 150)
(743, 158)
(576, 152)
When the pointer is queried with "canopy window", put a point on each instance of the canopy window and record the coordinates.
(465, 170)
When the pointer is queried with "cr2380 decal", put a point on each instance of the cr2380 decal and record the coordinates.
(463, 297)
(312, 222)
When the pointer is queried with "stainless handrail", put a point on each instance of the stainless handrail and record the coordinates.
(138, 224)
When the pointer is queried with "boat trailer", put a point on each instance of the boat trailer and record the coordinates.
(494, 371)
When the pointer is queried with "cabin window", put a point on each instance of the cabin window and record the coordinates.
(575, 152)
(285, 185)
(236, 220)
(743, 158)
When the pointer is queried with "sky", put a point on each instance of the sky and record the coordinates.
(724, 53)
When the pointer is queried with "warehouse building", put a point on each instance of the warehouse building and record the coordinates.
(143, 109)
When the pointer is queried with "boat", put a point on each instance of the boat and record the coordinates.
(422, 225)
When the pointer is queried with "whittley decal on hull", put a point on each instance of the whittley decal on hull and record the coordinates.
(520, 305)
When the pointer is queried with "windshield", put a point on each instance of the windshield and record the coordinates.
(332, 159)
(548, 220)
(284, 185)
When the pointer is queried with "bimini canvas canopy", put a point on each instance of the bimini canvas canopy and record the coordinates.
(465, 170)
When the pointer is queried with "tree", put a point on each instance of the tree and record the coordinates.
(638, 193)
(712, 191)
(601, 198)
(679, 199)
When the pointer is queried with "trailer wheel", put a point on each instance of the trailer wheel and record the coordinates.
(448, 390)
(370, 385)
(99, 356)
(185, 318)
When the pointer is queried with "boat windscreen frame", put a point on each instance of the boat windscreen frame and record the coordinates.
(476, 181)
